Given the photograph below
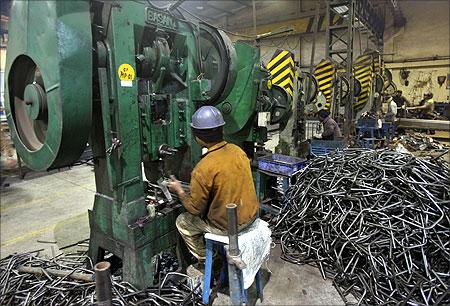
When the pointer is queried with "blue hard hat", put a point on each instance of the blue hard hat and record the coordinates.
(207, 117)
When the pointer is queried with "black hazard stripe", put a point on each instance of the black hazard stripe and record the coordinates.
(324, 73)
(363, 69)
(281, 67)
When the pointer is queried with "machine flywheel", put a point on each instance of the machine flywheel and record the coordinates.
(49, 86)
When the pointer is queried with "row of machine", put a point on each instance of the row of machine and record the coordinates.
(329, 85)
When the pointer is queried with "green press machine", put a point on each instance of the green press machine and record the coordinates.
(125, 77)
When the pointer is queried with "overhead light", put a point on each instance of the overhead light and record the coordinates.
(341, 9)
(199, 7)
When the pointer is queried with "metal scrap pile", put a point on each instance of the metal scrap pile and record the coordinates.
(420, 142)
(376, 221)
(78, 286)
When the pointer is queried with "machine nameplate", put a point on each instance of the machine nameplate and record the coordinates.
(160, 19)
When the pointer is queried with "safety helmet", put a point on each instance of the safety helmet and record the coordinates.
(207, 117)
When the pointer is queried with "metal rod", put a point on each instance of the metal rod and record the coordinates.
(59, 273)
(232, 229)
(103, 289)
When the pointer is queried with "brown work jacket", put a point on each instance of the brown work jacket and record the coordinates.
(222, 176)
(331, 130)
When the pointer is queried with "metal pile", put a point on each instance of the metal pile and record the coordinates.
(46, 289)
(376, 221)
(420, 142)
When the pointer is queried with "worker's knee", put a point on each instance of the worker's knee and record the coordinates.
(181, 221)
(187, 224)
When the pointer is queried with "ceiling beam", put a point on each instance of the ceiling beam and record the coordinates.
(243, 2)
(224, 11)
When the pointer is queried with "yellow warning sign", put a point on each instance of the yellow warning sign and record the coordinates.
(126, 72)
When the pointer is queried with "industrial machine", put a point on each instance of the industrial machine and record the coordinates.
(126, 77)
(330, 86)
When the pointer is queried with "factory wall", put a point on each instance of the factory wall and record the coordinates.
(425, 35)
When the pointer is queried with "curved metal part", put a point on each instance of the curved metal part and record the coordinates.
(387, 74)
(281, 104)
(313, 86)
(219, 58)
(378, 83)
(390, 89)
(356, 87)
(49, 81)
(345, 88)
(241, 103)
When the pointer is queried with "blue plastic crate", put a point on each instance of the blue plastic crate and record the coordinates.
(281, 164)
(324, 147)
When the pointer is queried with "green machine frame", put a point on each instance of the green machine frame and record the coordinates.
(126, 77)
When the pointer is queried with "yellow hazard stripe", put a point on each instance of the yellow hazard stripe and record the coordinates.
(326, 88)
(320, 70)
(365, 79)
(289, 90)
(325, 81)
(323, 63)
(286, 82)
(283, 74)
(277, 58)
(362, 59)
(282, 65)
(362, 70)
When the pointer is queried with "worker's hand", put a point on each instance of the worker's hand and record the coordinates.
(175, 185)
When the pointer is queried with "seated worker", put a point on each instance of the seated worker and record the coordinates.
(222, 176)
(400, 100)
(331, 130)
(426, 107)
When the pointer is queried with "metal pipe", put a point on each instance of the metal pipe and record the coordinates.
(103, 289)
(232, 229)
(59, 273)
(420, 59)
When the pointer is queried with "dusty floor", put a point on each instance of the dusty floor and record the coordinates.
(50, 211)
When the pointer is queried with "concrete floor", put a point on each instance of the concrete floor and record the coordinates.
(53, 208)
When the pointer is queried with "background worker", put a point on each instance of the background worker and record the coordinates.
(400, 101)
(392, 111)
(331, 130)
(426, 107)
(222, 176)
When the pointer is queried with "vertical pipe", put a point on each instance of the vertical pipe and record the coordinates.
(235, 279)
(254, 17)
(103, 289)
(232, 229)
(349, 68)
(315, 30)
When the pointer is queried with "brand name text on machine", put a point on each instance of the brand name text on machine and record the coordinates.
(159, 18)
